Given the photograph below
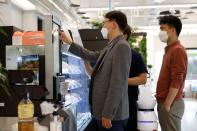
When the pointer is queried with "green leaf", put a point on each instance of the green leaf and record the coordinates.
(142, 45)
(97, 24)
(143, 50)
(4, 83)
(3, 32)
(3, 77)
(5, 88)
(149, 66)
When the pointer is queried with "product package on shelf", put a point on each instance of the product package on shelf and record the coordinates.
(28, 38)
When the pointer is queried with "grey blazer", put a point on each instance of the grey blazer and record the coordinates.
(110, 87)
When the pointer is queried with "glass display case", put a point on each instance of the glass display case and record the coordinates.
(74, 71)
(26, 73)
(69, 68)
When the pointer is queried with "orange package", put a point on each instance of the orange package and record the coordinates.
(33, 38)
(17, 38)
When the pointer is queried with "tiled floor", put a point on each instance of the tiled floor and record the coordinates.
(189, 121)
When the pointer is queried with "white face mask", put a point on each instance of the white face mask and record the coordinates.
(104, 32)
(163, 36)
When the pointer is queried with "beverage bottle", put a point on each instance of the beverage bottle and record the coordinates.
(26, 114)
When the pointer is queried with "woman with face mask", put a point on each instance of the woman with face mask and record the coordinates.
(137, 76)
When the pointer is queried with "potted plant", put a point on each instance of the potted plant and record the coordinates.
(4, 83)
(96, 24)
(137, 41)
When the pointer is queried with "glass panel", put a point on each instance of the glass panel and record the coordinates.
(74, 71)
(192, 62)
(26, 58)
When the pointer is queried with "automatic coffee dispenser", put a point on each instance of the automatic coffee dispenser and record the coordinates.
(26, 73)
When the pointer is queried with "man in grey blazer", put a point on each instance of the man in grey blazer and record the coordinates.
(109, 80)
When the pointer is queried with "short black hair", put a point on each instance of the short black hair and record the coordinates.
(127, 32)
(119, 17)
(172, 21)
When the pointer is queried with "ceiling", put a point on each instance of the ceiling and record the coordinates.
(140, 12)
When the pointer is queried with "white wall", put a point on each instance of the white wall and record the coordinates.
(30, 20)
(10, 15)
(16, 16)
(189, 41)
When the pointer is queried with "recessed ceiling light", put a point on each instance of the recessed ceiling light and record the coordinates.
(74, 5)
(193, 7)
(4, 1)
(81, 12)
(159, 1)
(85, 17)
(189, 12)
(183, 18)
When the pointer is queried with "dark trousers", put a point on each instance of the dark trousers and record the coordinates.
(116, 125)
(132, 121)
(92, 126)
